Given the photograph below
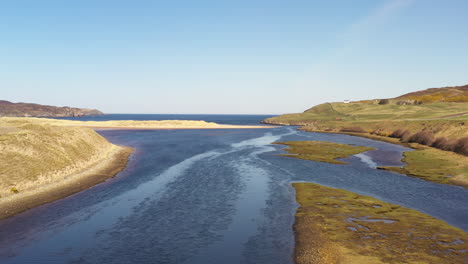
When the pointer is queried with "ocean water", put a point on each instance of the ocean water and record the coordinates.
(209, 196)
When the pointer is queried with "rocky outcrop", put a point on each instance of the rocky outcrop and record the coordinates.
(36, 110)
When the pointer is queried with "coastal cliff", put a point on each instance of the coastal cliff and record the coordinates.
(36, 110)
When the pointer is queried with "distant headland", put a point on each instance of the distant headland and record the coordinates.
(37, 110)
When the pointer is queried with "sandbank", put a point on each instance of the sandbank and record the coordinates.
(136, 124)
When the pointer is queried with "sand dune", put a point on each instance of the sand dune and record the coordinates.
(40, 163)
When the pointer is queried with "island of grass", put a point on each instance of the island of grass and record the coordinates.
(321, 150)
(337, 226)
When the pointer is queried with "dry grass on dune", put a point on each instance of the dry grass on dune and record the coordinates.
(34, 155)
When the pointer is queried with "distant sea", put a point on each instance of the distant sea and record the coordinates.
(220, 119)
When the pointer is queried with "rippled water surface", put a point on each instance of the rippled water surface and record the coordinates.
(208, 196)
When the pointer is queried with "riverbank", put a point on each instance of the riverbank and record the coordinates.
(85, 178)
(42, 163)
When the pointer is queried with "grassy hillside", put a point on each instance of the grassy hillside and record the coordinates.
(383, 117)
(435, 103)
(437, 118)
(375, 112)
(34, 155)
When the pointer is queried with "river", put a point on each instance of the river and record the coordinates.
(209, 196)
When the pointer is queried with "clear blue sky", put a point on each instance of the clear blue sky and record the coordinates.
(238, 57)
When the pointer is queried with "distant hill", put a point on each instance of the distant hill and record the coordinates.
(445, 94)
(36, 110)
(430, 104)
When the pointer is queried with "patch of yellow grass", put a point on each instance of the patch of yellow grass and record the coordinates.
(321, 151)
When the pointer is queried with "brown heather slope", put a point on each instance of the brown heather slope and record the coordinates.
(26, 109)
(445, 94)
(40, 163)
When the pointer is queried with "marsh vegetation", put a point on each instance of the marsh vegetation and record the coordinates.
(337, 226)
